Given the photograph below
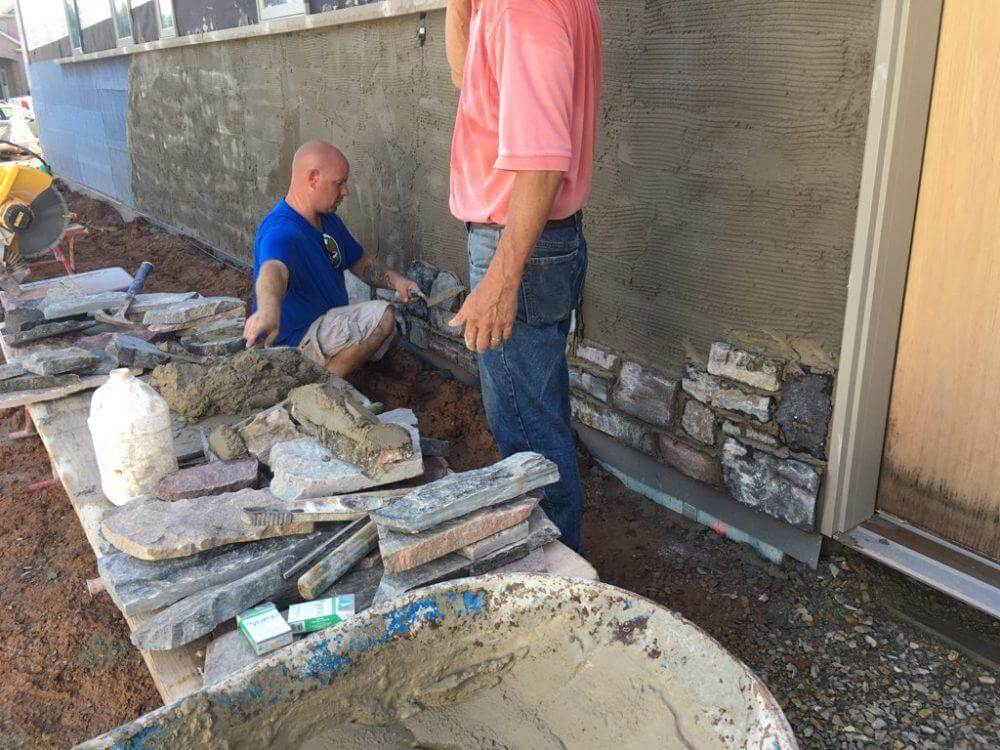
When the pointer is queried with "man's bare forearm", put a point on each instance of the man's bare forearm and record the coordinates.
(530, 206)
(272, 283)
(374, 272)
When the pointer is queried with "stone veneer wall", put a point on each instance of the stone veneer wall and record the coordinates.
(753, 426)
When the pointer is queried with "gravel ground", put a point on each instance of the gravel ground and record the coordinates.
(835, 646)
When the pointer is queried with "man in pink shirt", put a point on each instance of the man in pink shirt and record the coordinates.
(521, 160)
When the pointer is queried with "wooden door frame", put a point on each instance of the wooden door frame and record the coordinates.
(902, 81)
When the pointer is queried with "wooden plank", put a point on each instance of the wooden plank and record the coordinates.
(62, 426)
(942, 446)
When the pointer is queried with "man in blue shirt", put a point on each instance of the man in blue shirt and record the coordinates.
(301, 251)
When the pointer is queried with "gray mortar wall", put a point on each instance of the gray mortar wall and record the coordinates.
(727, 167)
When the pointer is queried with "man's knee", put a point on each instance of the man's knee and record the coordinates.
(385, 325)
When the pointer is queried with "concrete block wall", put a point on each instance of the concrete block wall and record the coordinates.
(81, 115)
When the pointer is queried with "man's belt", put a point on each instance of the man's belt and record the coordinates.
(569, 221)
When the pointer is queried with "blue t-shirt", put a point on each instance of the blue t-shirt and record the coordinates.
(316, 265)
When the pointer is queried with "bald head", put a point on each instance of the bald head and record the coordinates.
(319, 177)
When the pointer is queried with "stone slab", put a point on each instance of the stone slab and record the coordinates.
(218, 348)
(87, 304)
(198, 614)
(11, 371)
(402, 551)
(590, 383)
(143, 303)
(710, 390)
(22, 319)
(645, 395)
(212, 478)
(60, 361)
(597, 356)
(266, 430)
(690, 461)
(699, 422)
(434, 448)
(154, 530)
(786, 489)
(48, 330)
(458, 494)
(191, 310)
(804, 412)
(305, 468)
(141, 586)
(631, 432)
(338, 562)
(444, 568)
(749, 433)
(130, 351)
(751, 368)
(441, 314)
(486, 547)
(32, 382)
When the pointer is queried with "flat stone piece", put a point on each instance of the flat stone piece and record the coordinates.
(328, 570)
(597, 356)
(443, 568)
(60, 361)
(451, 348)
(143, 303)
(196, 615)
(589, 383)
(191, 310)
(458, 494)
(743, 366)
(630, 431)
(784, 488)
(804, 412)
(486, 547)
(21, 319)
(699, 422)
(209, 479)
(140, 586)
(746, 432)
(156, 530)
(11, 371)
(305, 467)
(690, 461)
(424, 274)
(220, 348)
(86, 305)
(404, 551)
(266, 430)
(129, 351)
(645, 395)
(710, 390)
(434, 448)
(541, 529)
(444, 312)
(32, 382)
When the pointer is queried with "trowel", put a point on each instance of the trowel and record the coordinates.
(118, 318)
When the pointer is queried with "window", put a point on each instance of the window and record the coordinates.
(73, 19)
(270, 9)
(165, 11)
(122, 13)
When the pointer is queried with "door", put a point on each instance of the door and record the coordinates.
(941, 462)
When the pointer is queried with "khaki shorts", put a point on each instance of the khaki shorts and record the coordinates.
(341, 327)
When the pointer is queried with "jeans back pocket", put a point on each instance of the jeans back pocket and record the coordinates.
(552, 281)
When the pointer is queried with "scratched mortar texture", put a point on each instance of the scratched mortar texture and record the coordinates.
(726, 174)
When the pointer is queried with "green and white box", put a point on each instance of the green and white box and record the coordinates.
(309, 617)
(264, 627)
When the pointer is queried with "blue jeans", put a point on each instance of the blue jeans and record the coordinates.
(525, 382)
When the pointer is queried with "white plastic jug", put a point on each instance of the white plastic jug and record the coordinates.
(133, 439)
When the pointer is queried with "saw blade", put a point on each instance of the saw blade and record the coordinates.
(51, 217)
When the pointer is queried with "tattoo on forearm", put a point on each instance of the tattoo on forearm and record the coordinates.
(376, 273)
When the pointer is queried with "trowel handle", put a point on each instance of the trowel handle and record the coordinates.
(140, 279)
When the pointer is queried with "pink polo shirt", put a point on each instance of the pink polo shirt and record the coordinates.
(530, 92)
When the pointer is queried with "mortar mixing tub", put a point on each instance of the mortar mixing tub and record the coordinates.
(513, 661)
